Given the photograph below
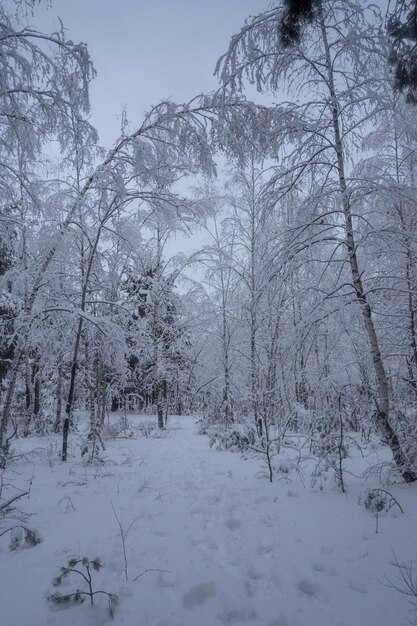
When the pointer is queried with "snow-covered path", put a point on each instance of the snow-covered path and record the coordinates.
(234, 548)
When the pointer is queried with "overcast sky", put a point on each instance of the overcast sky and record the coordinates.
(145, 51)
(148, 50)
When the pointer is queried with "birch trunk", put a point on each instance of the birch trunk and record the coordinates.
(383, 421)
(58, 415)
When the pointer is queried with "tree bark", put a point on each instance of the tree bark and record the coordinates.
(383, 387)
(58, 415)
(71, 392)
(7, 408)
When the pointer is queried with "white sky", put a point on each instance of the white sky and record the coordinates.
(147, 50)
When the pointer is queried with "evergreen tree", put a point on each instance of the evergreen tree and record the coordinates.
(402, 27)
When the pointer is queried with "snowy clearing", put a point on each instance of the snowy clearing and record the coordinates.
(231, 547)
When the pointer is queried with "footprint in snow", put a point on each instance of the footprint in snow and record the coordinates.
(358, 586)
(197, 511)
(265, 549)
(233, 523)
(208, 547)
(199, 595)
(261, 500)
(318, 566)
(238, 616)
(282, 621)
(307, 587)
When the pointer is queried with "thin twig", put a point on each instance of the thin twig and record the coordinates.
(9, 502)
(162, 571)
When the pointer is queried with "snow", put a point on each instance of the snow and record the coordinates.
(223, 546)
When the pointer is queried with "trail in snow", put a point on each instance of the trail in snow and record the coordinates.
(234, 548)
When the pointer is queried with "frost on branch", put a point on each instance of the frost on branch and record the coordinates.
(83, 568)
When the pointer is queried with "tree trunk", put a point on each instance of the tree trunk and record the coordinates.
(30, 395)
(159, 406)
(383, 388)
(254, 321)
(227, 405)
(58, 415)
(71, 392)
(7, 408)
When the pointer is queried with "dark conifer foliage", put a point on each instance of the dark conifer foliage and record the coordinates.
(297, 13)
(402, 27)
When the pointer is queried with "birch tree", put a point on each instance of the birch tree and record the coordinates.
(247, 222)
(221, 284)
(391, 210)
(131, 170)
(44, 80)
(333, 77)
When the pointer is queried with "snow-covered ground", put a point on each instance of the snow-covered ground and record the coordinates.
(232, 548)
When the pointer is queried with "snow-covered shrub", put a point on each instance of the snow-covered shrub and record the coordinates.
(147, 428)
(83, 568)
(237, 438)
(329, 467)
(93, 445)
(378, 500)
(281, 458)
(23, 537)
(206, 423)
(150, 428)
(407, 429)
(283, 468)
(13, 519)
(330, 444)
(328, 437)
(120, 428)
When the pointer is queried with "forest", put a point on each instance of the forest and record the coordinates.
(146, 389)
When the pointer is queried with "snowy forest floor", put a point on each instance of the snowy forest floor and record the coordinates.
(235, 549)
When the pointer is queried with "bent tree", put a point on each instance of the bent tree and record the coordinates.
(46, 104)
(44, 82)
(330, 81)
(132, 170)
